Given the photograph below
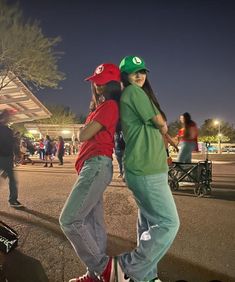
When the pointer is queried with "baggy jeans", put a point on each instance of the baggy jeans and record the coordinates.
(6, 164)
(185, 152)
(82, 218)
(157, 226)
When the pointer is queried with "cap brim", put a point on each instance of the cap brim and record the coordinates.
(138, 69)
(135, 70)
(89, 78)
(96, 79)
(100, 80)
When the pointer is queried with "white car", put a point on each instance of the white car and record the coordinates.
(229, 149)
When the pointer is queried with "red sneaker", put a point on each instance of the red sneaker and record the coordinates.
(84, 278)
(108, 274)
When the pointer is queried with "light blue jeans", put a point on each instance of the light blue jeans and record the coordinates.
(158, 223)
(82, 218)
(185, 152)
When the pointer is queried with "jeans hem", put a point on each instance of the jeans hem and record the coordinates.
(123, 269)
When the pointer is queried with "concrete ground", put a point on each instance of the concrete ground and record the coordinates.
(202, 251)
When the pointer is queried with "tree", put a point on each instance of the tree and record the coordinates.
(81, 118)
(25, 52)
(174, 127)
(60, 115)
(209, 129)
(213, 139)
(19, 127)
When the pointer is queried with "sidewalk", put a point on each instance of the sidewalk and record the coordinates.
(196, 255)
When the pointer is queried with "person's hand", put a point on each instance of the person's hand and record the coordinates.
(163, 129)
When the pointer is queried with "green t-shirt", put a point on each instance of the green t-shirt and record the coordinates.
(145, 153)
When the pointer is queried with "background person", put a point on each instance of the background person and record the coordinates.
(146, 174)
(82, 218)
(23, 151)
(60, 150)
(119, 149)
(16, 150)
(41, 149)
(7, 157)
(187, 137)
(48, 151)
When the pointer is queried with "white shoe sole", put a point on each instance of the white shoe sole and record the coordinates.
(119, 274)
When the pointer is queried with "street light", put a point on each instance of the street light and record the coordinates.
(65, 131)
(217, 122)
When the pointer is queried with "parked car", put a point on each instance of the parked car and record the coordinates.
(212, 149)
(229, 149)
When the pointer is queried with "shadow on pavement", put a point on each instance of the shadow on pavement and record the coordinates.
(217, 192)
(53, 228)
(171, 268)
(18, 267)
(40, 215)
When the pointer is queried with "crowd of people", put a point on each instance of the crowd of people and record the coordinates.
(46, 149)
(124, 117)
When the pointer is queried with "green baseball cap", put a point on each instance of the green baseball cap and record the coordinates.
(130, 64)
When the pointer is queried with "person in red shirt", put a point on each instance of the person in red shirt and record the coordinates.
(41, 149)
(187, 137)
(82, 218)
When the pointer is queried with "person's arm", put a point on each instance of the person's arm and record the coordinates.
(160, 123)
(90, 130)
(179, 136)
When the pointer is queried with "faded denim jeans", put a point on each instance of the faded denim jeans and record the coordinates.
(185, 152)
(158, 223)
(82, 218)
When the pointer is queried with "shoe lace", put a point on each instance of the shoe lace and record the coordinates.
(85, 277)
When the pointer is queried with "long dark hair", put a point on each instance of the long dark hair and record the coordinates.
(187, 123)
(187, 119)
(147, 89)
(111, 91)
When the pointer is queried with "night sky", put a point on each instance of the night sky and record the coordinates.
(188, 46)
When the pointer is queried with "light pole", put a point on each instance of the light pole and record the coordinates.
(217, 122)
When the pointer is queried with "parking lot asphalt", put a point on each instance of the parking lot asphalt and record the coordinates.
(202, 251)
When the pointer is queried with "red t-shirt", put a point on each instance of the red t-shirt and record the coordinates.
(181, 134)
(102, 144)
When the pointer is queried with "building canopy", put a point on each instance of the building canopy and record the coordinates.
(16, 97)
(53, 130)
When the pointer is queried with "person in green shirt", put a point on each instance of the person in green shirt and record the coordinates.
(146, 173)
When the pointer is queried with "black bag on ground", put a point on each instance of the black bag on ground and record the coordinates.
(8, 238)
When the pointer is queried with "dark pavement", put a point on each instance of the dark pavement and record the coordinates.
(202, 251)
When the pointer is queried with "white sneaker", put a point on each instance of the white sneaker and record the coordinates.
(156, 280)
(120, 276)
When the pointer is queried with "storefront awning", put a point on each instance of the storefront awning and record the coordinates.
(53, 130)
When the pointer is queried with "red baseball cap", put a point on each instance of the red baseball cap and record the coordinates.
(105, 73)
